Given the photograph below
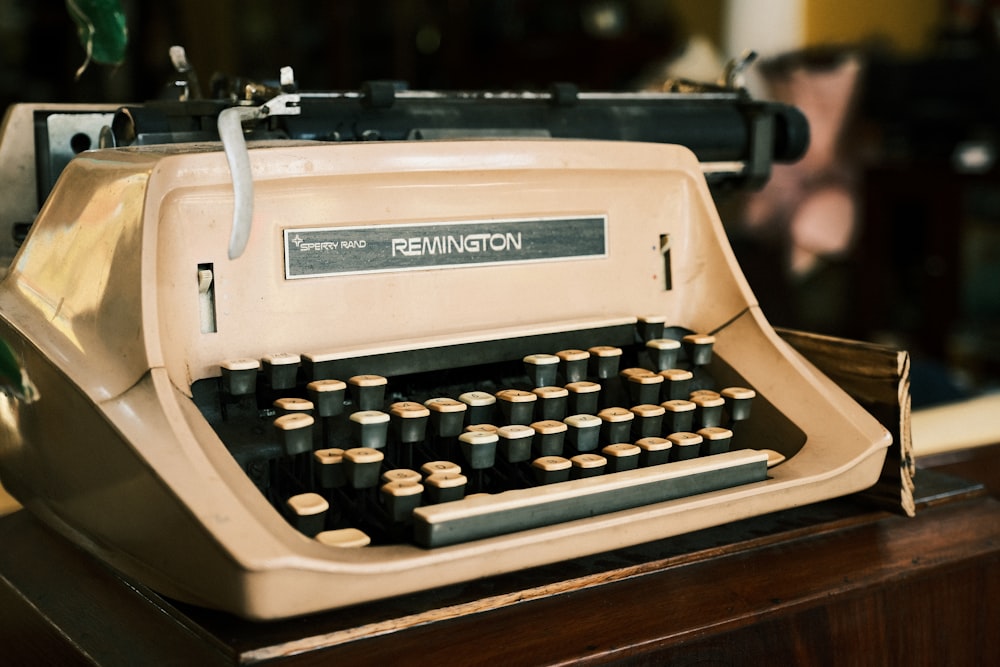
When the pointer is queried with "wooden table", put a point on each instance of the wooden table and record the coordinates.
(832, 583)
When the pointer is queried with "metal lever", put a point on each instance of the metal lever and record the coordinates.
(235, 146)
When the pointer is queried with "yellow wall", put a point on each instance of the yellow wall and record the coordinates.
(907, 24)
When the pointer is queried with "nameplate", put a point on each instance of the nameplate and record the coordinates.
(329, 251)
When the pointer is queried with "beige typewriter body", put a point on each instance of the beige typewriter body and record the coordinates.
(105, 311)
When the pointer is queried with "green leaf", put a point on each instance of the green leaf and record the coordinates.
(100, 25)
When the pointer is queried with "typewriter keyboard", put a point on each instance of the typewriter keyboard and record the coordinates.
(447, 445)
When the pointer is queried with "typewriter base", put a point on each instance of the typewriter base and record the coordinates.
(832, 579)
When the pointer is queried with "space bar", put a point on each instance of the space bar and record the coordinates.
(477, 517)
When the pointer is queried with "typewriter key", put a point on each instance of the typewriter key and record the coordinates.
(361, 467)
(663, 353)
(369, 428)
(621, 456)
(738, 400)
(604, 360)
(550, 435)
(616, 425)
(307, 512)
(541, 369)
(516, 406)
(447, 416)
(587, 465)
(551, 469)
(678, 416)
(344, 538)
(330, 467)
(296, 432)
(281, 369)
(551, 403)
(480, 406)
(685, 445)
(583, 432)
(676, 384)
(327, 396)
(650, 327)
(239, 376)
(368, 391)
(653, 451)
(716, 440)
(401, 498)
(514, 442)
(648, 420)
(698, 348)
(478, 448)
(573, 364)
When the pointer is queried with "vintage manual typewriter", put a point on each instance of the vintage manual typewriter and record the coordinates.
(282, 352)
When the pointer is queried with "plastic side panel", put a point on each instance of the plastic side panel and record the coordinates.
(645, 193)
(75, 288)
(839, 432)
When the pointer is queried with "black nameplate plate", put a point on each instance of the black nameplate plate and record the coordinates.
(331, 251)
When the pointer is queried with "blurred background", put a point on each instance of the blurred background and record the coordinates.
(888, 230)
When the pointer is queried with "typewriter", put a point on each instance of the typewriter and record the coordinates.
(285, 352)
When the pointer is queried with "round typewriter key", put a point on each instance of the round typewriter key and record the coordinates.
(686, 445)
(551, 469)
(653, 451)
(330, 467)
(239, 376)
(516, 406)
(541, 369)
(648, 420)
(707, 408)
(444, 487)
(327, 396)
(447, 416)
(410, 421)
(344, 538)
(715, 440)
(604, 360)
(551, 403)
(480, 406)
(698, 348)
(281, 369)
(643, 385)
(587, 465)
(621, 456)
(650, 327)
(676, 384)
(435, 467)
(368, 391)
(401, 498)
(289, 404)
(678, 416)
(484, 428)
(616, 424)
(401, 475)
(738, 400)
(307, 512)
(663, 353)
(370, 428)
(573, 364)
(583, 432)
(550, 435)
(584, 398)
(296, 432)
(361, 467)
(478, 448)
(515, 442)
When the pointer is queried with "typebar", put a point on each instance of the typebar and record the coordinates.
(477, 517)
